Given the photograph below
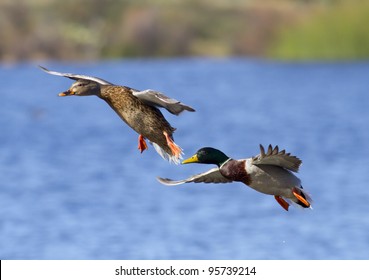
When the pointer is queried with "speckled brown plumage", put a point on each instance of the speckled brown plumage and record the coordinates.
(144, 119)
(138, 109)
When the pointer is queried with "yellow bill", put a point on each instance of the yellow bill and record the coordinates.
(192, 159)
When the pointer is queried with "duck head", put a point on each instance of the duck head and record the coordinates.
(207, 155)
(82, 88)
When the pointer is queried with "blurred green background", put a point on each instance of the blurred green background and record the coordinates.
(95, 29)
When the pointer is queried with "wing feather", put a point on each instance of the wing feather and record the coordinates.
(277, 158)
(76, 76)
(155, 98)
(149, 96)
(211, 176)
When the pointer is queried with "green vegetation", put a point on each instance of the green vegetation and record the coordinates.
(94, 29)
(338, 32)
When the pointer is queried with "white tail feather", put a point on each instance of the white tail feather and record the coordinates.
(166, 156)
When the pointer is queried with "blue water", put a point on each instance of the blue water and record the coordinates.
(74, 186)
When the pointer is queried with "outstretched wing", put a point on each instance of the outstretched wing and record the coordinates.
(150, 97)
(155, 98)
(278, 158)
(211, 176)
(76, 76)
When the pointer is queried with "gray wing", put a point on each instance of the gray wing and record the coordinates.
(76, 76)
(278, 158)
(211, 176)
(155, 98)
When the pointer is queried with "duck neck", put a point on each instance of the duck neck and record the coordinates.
(220, 165)
(103, 94)
(219, 158)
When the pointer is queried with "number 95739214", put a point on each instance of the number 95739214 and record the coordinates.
(229, 270)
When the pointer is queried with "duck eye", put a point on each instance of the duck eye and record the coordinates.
(203, 153)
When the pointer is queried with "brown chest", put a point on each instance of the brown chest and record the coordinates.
(236, 170)
(120, 97)
(144, 119)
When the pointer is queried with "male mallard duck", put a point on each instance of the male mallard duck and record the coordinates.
(136, 108)
(268, 173)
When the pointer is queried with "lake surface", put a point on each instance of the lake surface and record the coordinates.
(74, 186)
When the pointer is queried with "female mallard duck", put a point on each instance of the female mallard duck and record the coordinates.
(136, 108)
(268, 173)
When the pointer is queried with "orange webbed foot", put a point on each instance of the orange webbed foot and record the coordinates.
(176, 150)
(142, 146)
(282, 202)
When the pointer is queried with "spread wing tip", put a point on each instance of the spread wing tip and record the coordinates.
(48, 71)
(180, 109)
(43, 68)
(169, 182)
(291, 162)
(75, 76)
(190, 109)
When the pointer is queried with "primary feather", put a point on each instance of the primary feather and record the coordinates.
(277, 158)
(76, 76)
(210, 176)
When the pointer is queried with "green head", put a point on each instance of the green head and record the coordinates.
(207, 155)
(82, 88)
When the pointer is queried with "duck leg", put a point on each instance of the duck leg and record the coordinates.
(142, 146)
(176, 150)
(301, 198)
(282, 202)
